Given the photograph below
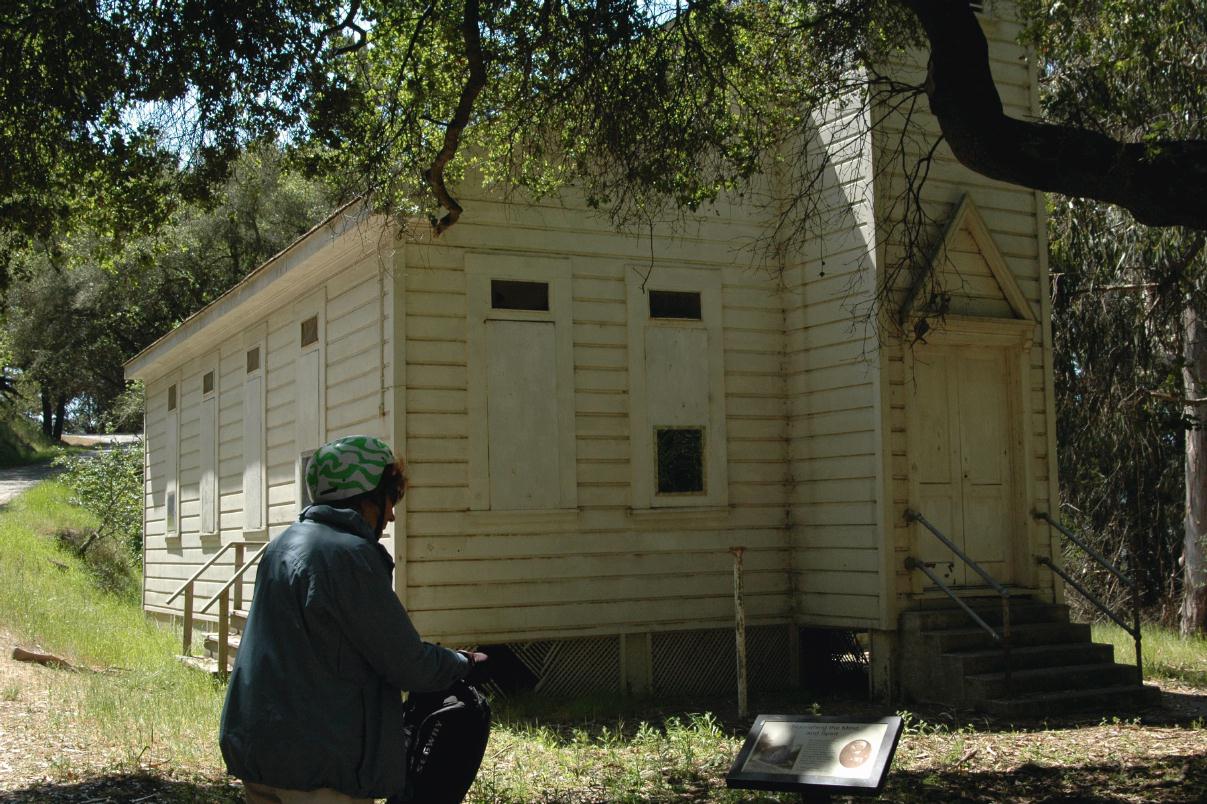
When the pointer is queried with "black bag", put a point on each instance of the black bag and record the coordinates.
(446, 734)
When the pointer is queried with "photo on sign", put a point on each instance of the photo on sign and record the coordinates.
(837, 750)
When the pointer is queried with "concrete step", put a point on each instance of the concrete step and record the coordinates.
(989, 610)
(1037, 706)
(988, 686)
(962, 639)
(989, 660)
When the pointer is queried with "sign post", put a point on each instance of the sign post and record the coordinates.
(816, 756)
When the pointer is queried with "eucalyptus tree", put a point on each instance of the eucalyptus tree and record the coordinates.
(1131, 300)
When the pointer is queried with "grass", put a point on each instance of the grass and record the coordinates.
(21, 441)
(1165, 653)
(157, 722)
(149, 705)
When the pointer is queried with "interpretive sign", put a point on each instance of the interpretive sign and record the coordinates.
(805, 753)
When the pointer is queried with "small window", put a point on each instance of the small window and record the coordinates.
(680, 460)
(170, 514)
(253, 360)
(506, 294)
(674, 304)
(207, 383)
(310, 330)
(171, 397)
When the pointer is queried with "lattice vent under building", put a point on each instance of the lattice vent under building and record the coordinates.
(567, 668)
(705, 662)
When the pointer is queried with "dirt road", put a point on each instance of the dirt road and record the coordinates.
(18, 479)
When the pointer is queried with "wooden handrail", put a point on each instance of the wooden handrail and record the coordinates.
(231, 581)
(187, 587)
(193, 578)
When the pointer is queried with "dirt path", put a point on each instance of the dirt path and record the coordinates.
(20, 478)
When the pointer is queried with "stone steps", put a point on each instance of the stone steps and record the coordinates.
(1036, 706)
(1054, 665)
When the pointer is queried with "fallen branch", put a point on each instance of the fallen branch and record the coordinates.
(46, 659)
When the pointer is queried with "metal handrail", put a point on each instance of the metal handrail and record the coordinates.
(911, 563)
(1131, 581)
(914, 516)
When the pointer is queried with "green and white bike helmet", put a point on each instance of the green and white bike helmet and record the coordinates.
(347, 467)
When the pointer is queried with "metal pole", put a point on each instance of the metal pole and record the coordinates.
(739, 627)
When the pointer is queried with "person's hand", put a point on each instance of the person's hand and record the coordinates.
(477, 666)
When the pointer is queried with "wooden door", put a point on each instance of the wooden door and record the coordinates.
(963, 432)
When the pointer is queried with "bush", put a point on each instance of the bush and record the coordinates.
(109, 484)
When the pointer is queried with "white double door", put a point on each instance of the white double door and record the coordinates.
(965, 430)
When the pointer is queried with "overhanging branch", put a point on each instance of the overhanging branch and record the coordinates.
(1159, 182)
(474, 83)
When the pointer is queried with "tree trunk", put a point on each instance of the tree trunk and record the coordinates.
(47, 414)
(1194, 551)
(60, 416)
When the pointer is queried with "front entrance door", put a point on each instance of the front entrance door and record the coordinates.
(964, 460)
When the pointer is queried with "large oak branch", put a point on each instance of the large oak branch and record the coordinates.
(1161, 183)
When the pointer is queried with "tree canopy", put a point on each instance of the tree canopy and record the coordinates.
(641, 103)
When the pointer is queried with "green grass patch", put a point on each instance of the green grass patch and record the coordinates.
(145, 705)
(1166, 654)
(21, 441)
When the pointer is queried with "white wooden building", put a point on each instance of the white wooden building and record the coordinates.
(592, 420)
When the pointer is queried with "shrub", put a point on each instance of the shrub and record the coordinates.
(109, 484)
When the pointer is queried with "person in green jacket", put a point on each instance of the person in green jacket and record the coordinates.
(313, 709)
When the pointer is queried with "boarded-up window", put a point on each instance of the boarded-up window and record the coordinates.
(507, 294)
(253, 444)
(522, 413)
(310, 330)
(680, 460)
(677, 390)
(309, 417)
(172, 469)
(208, 483)
(675, 304)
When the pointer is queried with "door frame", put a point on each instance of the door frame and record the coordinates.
(1014, 338)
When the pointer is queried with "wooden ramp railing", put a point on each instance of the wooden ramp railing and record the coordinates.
(223, 597)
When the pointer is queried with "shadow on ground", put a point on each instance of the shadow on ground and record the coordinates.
(1168, 780)
(128, 788)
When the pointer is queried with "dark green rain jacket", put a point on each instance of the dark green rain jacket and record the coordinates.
(314, 699)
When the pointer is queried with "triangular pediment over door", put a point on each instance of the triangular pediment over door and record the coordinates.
(967, 275)
(969, 401)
